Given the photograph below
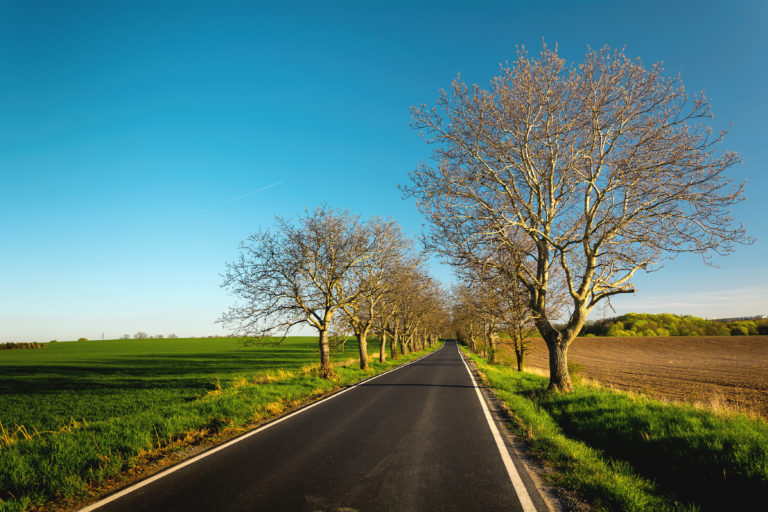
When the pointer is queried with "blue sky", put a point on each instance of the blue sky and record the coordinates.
(140, 142)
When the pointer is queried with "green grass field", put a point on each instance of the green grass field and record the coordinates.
(76, 413)
(628, 452)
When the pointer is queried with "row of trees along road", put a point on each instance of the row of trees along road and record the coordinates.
(584, 174)
(338, 274)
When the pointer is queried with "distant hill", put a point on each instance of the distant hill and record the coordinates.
(665, 324)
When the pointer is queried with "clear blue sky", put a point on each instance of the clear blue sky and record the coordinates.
(140, 142)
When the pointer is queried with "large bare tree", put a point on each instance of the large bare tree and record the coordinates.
(302, 272)
(604, 167)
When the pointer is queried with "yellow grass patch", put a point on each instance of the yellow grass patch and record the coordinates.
(274, 408)
(9, 436)
(271, 376)
(239, 382)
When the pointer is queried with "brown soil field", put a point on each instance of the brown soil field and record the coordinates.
(723, 372)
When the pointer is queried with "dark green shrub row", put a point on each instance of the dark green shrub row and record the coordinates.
(22, 345)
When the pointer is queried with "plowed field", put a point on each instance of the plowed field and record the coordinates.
(730, 372)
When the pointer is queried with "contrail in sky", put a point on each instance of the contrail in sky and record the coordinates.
(253, 192)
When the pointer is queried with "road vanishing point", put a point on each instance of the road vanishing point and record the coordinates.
(417, 438)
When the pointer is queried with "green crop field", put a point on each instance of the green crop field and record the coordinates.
(97, 380)
(75, 413)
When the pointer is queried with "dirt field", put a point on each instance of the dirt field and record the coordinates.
(730, 372)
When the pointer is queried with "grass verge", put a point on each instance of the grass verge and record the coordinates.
(72, 459)
(629, 452)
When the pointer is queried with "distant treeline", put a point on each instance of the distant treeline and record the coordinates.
(641, 324)
(25, 344)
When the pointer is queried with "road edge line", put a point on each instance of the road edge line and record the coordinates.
(157, 476)
(514, 476)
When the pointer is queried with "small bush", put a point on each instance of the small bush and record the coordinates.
(82, 339)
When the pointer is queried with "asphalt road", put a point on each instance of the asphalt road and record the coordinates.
(415, 439)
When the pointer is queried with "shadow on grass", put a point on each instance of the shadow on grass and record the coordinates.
(691, 454)
(145, 371)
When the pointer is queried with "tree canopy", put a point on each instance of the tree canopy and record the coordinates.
(665, 324)
(589, 171)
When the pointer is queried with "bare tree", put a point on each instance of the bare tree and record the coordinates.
(125, 337)
(498, 276)
(371, 277)
(399, 276)
(481, 300)
(419, 296)
(301, 273)
(520, 321)
(465, 319)
(141, 335)
(605, 167)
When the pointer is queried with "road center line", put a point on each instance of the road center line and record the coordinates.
(205, 454)
(514, 476)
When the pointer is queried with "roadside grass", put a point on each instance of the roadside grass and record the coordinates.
(78, 413)
(628, 452)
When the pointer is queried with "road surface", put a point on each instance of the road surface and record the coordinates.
(414, 439)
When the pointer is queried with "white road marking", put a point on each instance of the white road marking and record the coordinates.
(203, 455)
(514, 476)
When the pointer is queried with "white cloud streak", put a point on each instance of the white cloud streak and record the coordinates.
(253, 192)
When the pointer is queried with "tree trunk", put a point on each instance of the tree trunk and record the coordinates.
(362, 342)
(491, 342)
(395, 341)
(383, 347)
(520, 355)
(326, 370)
(559, 379)
(403, 345)
(518, 339)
